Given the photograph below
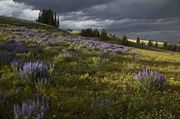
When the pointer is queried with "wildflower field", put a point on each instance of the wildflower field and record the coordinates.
(46, 74)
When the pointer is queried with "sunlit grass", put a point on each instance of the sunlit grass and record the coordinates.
(92, 84)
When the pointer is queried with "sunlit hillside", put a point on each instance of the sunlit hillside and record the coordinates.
(46, 73)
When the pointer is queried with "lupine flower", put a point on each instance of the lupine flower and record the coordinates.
(150, 78)
(17, 47)
(32, 108)
(93, 44)
(36, 70)
(17, 63)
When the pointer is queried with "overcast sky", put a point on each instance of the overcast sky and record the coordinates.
(150, 19)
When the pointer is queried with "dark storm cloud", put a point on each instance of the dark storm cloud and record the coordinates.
(137, 9)
(157, 19)
(62, 6)
(145, 25)
(113, 9)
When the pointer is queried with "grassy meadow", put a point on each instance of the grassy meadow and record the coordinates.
(90, 83)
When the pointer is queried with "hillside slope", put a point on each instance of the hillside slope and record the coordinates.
(25, 23)
(51, 74)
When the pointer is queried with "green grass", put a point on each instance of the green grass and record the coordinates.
(87, 78)
(6, 21)
(3, 37)
(90, 74)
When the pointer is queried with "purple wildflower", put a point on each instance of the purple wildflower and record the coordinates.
(37, 71)
(17, 47)
(93, 44)
(28, 109)
(150, 77)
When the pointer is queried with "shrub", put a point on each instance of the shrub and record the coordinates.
(150, 79)
(87, 32)
(138, 40)
(150, 43)
(95, 60)
(165, 45)
(3, 37)
(142, 43)
(90, 33)
(124, 40)
(104, 35)
(37, 50)
(156, 45)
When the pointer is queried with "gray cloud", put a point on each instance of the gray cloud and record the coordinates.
(137, 9)
(156, 19)
(63, 6)
(20, 10)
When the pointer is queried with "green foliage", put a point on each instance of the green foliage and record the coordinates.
(87, 32)
(104, 35)
(90, 33)
(138, 40)
(47, 16)
(95, 60)
(156, 45)
(142, 43)
(9, 22)
(150, 43)
(36, 50)
(112, 37)
(165, 45)
(94, 84)
(178, 48)
(171, 47)
(96, 33)
(125, 40)
(3, 37)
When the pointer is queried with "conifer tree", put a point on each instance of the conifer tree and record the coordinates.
(138, 40)
(96, 33)
(156, 45)
(124, 40)
(104, 35)
(47, 16)
(165, 45)
(150, 43)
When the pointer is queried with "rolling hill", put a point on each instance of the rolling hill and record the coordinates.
(47, 73)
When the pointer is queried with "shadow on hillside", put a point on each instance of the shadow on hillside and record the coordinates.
(160, 63)
(172, 73)
(172, 88)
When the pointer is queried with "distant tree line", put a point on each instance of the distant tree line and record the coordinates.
(94, 33)
(47, 16)
(103, 35)
(171, 47)
(165, 46)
